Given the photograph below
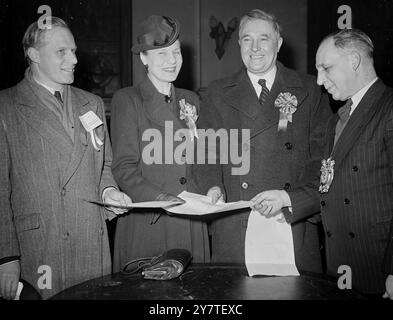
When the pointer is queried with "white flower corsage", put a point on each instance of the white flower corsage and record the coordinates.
(288, 105)
(188, 112)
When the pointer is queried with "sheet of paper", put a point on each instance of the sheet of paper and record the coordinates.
(197, 204)
(147, 204)
(269, 246)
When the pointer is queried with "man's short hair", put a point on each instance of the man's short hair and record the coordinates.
(352, 38)
(34, 34)
(257, 14)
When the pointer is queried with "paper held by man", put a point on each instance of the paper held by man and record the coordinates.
(195, 204)
(269, 245)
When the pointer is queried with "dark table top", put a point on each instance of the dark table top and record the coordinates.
(209, 282)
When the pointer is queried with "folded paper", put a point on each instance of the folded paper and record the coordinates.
(269, 246)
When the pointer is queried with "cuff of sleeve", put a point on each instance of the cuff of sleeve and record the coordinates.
(9, 259)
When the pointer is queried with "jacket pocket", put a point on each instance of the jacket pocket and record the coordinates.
(27, 222)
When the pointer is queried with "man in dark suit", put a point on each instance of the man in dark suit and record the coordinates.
(356, 189)
(51, 164)
(286, 115)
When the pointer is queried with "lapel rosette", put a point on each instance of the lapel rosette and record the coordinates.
(327, 174)
(287, 103)
(188, 113)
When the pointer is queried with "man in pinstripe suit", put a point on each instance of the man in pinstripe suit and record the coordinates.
(50, 165)
(356, 191)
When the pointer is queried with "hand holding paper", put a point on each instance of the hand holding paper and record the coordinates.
(112, 196)
(269, 203)
(215, 194)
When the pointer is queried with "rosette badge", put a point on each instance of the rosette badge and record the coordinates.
(188, 112)
(287, 103)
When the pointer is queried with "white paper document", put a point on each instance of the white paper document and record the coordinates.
(269, 246)
(147, 204)
(197, 204)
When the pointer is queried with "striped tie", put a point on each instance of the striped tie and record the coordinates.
(264, 92)
(58, 96)
(343, 114)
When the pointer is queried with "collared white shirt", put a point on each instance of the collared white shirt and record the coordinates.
(269, 77)
(358, 96)
(51, 90)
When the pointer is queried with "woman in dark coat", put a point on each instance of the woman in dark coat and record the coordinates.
(145, 117)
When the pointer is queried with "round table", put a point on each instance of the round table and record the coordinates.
(209, 282)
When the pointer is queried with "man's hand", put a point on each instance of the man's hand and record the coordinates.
(9, 279)
(269, 203)
(115, 197)
(163, 196)
(215, 194)
(389, 287)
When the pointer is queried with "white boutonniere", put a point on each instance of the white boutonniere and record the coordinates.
(288, 105)
(91, 121)
(188, 112)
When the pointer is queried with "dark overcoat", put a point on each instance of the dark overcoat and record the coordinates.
(45, 180)
(139, 111)
(278, 159)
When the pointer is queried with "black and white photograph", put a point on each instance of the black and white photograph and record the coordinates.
(196, 159)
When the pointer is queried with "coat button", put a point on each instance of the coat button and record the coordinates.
(355, 168)
(323, 203)
(183, 180)
(65, 235)
(351, 234)
(328, 234)
(288, 145)
(287, 186)
(63, 192)
(246, 147)
(101, 231)
(244, 185)
(346, 201)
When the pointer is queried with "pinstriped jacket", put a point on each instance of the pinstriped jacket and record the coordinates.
(357, 212)
(44, 179)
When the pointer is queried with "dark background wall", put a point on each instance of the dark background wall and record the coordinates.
(105, 30)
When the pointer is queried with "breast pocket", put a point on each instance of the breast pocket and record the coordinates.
(27, 222)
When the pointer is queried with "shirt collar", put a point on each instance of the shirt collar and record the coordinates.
(51, 90)
(269, 77)
(357, 97)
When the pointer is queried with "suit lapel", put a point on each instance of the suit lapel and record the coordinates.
(41, 119)
(240, 95)
(80, 105)
(155, 108)
(363, 113)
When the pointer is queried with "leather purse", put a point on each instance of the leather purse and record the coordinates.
(169, 265)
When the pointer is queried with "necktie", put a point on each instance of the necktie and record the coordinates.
(264, 92)
(58, 97)
(343, 114)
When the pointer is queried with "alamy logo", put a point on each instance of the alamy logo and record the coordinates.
(345, 280)
(232, 148)
(45, 21)
(45, 280)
